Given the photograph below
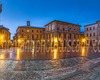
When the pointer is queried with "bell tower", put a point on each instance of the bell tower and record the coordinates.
(28, 23)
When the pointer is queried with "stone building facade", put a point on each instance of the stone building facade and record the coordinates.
(92, 33)
(26, 35)
(56, 37)
(61, 36)
(4, 37)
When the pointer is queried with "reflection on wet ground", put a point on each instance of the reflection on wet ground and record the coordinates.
(18, 65)
(20, 55)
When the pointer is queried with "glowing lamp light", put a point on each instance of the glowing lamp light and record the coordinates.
(83, 40)
(2, 37)
(18, 54)
(19, 40)
(55, 39)
(55, 54)
(83, 51)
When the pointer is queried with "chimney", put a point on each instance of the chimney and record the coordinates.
(28, 23)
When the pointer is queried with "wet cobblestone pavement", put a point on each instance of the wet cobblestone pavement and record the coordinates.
(61, 69)
(15, 66)
(35, 69)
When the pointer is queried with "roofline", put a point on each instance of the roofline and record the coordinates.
(4, 27)
(90, 24)
(29, 27)
(62, 22)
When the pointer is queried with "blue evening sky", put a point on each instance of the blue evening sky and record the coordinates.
(40, 12)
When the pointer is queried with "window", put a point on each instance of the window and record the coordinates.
(90, 35)
(64, 35)
(57, 28)
(22, 36)
(27, 30)
(74, 36)
(87, 29)
(90, 28)
(69, 28)
(87, 35)
(32, 36)
(87, 41)
(22, 31)
(69, 37)
(28, 37)
(49, 28)
(93, 34)
(37, 36)
(64, 44)
(63, 29)
(46, 28)
(32, 30)
(93, 27)
(94, 41)
(53, 27)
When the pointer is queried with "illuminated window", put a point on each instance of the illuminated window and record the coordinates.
(27, 30)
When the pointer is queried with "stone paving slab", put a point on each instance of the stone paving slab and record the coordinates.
(26, 70)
